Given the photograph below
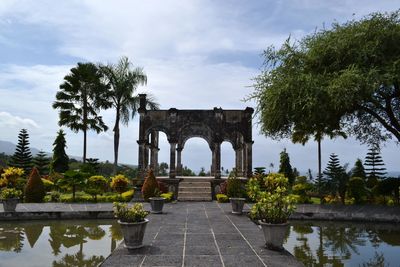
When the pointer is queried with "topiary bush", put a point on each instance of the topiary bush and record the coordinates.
(34, 189)
(119, 183)
(96, 185)
(150, 187)
(234, 187)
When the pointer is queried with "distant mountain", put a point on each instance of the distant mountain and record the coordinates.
(8, 148)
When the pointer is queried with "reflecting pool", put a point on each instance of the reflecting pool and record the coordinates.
(344, 244)
(57, 243)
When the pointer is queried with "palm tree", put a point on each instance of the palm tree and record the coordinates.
(123, 82)
(80, 98)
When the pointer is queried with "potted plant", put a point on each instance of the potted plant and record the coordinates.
(235, 192)
(272, 208)
(133, 223)
(157, 202)
(10, 198)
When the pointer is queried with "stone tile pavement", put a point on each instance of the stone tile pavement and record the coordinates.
(200, 234)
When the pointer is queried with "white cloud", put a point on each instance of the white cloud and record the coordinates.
(8, 120)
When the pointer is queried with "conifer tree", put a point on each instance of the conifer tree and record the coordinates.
(285, 167)
(358, 170)
(22, 157)
(60, 158)
(42, 162)
(375, 169)
(335, 178)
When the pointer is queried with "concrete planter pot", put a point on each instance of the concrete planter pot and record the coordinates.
(237, 204)
(10, 204)
(133, 233)
(274, 235)
(157, 204)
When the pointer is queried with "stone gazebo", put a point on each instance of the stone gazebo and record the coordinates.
(214, 126)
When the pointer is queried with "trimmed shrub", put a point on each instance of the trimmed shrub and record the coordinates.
(222, 198)
(95, 185)
(48, 185)
(357, 190)
(150, 186)
(34, 190)
(234, 187)
(301, 189)
(163, 187)
(168, 196)
(119, 183)
(128, 195)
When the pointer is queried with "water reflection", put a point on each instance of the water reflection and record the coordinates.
(66, 243)
(344, 244)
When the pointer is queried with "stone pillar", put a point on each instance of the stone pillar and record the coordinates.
(212, 171)
(141, 166)
(179, 161)
(239, 161)
(249, 159)
(154, 152)
(217, 160)
(172, 168)
(244, 155)
(146, 155)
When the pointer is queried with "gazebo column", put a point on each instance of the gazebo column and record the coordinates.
(249, 159)
(212, 170)
(217, 160)
(172, 169)
(154, 152)
(146, 155)
(141, 163)
(239, 161)
(179, 161)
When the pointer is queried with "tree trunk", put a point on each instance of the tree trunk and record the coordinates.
(84, 146)
(319, 169)
(116, 141)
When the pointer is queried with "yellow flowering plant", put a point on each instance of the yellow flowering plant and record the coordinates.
(11, 175)
(133, 214)
(274, 204)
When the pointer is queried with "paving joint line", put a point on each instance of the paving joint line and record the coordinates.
(184, 238)
(215, 240)
(248, 243)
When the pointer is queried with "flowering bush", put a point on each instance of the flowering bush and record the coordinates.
(119, 183)
(136, 213)
(11, 175)
(274, 205)
(7, 193)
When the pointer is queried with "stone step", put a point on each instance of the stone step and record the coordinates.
(194, 199)
(193, 194)
(196, 180)
(194, 184)
(195, 189)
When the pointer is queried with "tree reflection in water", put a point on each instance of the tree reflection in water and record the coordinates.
(11, 237)
(337, 242)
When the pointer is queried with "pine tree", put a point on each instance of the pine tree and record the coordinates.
(22, 157)
(285, 167)
(375, 169)
(335, 178)
(42, 162)
(358, 170)
(60, 158)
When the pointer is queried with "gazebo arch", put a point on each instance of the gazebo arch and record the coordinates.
(214, 126)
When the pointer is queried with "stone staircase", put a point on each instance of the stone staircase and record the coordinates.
(194, 189)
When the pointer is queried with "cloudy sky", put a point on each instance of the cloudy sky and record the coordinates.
(196, 54)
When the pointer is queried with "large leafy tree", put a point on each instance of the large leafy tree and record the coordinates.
(22, 157)
(80, 98)
(335, 81)
(123, 81)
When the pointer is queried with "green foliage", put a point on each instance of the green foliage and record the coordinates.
(375, 169)
(119, 183)
(82, 197)
(10, 176)
(133, 214)
(202, 172)
(150, 186)
(234, 187)
(273, 205)
(41, 162)
(48, 185)
(80, 98)
(73, 179)
(301, 188)
(351, 70)
(284, 167)
(55, 196)
(128, 195)
(7, 193)
(357, 190)
(162, 169)
(187, 172)
(222, 198)
(34, 189)
(253, 187)
(22, 157)
(358, 170)
(389, 187)
(168, 196)
(335, 178)
(259, 170)
(60, 159)
(95, 185)
(122, 83)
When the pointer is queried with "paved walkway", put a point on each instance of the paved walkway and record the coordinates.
(200, 234)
